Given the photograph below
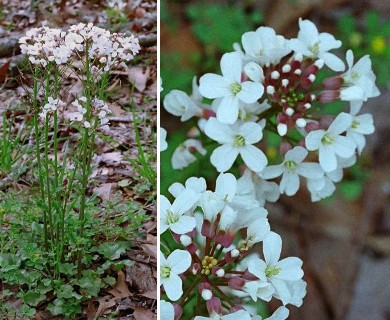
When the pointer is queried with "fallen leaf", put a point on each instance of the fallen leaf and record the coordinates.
(105, 190)
(150, 249)
(4, 71)
(104, 304)
(121, 289)
(138, 77)
(143, 314)
(150, 294)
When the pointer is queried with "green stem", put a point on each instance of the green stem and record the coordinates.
(84, 163)
(38, 155)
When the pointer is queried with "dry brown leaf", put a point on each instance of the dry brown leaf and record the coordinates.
(152, 239)
(144, 314)
(104, 304)
(91, 310)
(139, 77)
(150, 294)
(4, 71)
(150, 249)
(105, 191)
(121, 289)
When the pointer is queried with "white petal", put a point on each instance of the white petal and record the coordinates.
(214, 86)
(231, 66)
(228, 108)
(313, 139)
(344, 146)
(289, 184)
(328, 159)
(250, 91)
(272, 247)
(310, 170)
(332, 61)
(271, 172)
(298, 154)
(223, 157)
(342, 122)
(184, 225)
(291, 269)
(252, 132)
(226, 186)
(179, 260)
(220, 132)
(173, 287)
(254, 158)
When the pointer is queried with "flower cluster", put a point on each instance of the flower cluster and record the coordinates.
(269, 84)
(51, 106)
(104, 49)
(99, 111)
(218, 264)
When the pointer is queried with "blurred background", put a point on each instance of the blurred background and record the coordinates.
(344, 240)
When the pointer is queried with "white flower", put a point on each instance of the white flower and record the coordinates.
(331, 143)
(184, 153)
(280, 314)
(313, 44)
(229, 88)
(259, 290)
(274, 271)
(237, 139)
(257, 231)
(173, 216)
(196, 184)
(291, 168)
(177, 263)
(359, 80)
(264, 46)
(361, 125)
(238, 315)
(262, 190)
(163, 140)
(320, 188)
(167, 311)
(180, 104)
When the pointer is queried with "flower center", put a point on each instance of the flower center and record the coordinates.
(327, 139)
(271, 271)
(290, 165)
(292, 97)
(235, 88)
(315, 49)
(355, 124)
(207, 264)
(171, 217)
(165, 271)
(239, 141)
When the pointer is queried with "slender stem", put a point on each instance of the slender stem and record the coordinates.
(38, 155)
(84, 160)
(47, 173)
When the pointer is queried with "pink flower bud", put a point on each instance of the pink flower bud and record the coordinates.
(214, 305)
(178, 311)
(326, 121)
(284, 147)
(333, 83)
(329, 96)
(312, 126)
(236, 283)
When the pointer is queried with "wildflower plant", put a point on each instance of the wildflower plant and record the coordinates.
(219, 255)
(89, 53)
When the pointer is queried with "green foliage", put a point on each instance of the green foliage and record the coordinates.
(371, 37)
(218, 26)
(25, 263)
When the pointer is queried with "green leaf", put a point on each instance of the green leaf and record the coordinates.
(351, 189)
(124, 183)
(113, 251)
(110, 280)
(90, 283)
(33, 298)
(27, 311)
(65, 291)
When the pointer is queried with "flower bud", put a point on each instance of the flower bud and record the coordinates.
(185, 240)
(236, 283)
(333, 83)
(207, 294)
(214, 305)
